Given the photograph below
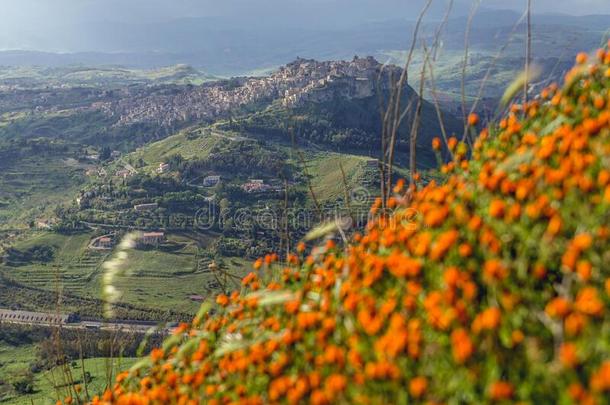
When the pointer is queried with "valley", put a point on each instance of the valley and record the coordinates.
(304, 202)
(212, 176)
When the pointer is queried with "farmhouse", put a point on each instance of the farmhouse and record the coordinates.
(163, 168)
(256, 186)
(151, 239)
(211, 181)
(44, 224)
(105, 243)
(124, 173)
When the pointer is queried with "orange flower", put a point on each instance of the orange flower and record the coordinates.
(369, 322)
(584, 269)
(501, 390)
(418, 386)
(445, 241)
(588, 302)
(603, 178)
(245, 281)
(582, 241)
(494, 270)
(436, 144)
(222, 300)
(436, 216)
(576, 392)
(497, 208)
(400, 184)
(558, 308)
(568, 355)
(582, 58)
(157, 354)
(319, 398)
(401, 265)
(574, 324)
(465, 250)
(539, 271)
(132, 399)
(335, 384)
(473, 120)
(554, 225)
(452, 143)
(489, 319)
(462, 346)
(600, 380)
(517, 337)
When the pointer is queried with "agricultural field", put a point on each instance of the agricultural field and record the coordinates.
(32, 186)
(168, 275)
(73, 269)
(158, 279)
(323, 167)
(50, 385)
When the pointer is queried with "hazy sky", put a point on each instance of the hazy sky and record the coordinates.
(20, 13)
(77, 25)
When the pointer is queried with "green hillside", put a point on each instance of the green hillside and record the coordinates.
(221, 193)
(35, 177)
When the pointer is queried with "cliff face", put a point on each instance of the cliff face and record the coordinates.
(335, 103)
(312, 81)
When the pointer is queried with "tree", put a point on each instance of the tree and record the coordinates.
(24, 383)
(105, 153)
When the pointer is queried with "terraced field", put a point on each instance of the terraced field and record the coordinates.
(167, 277)
(73, 270)
(32, 187)
(158, 278)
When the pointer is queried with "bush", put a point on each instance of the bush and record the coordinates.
(24, 384)
(34, 254)
(498, 291)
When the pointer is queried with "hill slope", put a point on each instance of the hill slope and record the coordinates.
(497, 290)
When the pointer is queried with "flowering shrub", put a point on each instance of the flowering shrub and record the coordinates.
(497, 292)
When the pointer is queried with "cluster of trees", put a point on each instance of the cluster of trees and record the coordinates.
(244, 158)
(340, 123)
(34, 254)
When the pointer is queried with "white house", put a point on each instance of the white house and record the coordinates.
(211, 181)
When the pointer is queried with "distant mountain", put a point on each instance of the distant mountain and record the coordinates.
(338, 105)
(226, 47)
(32, 77)
(333, 104)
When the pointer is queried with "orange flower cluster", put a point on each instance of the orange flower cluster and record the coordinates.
(497, 292)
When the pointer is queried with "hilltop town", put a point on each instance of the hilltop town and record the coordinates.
(292, 85)
(169, 105)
